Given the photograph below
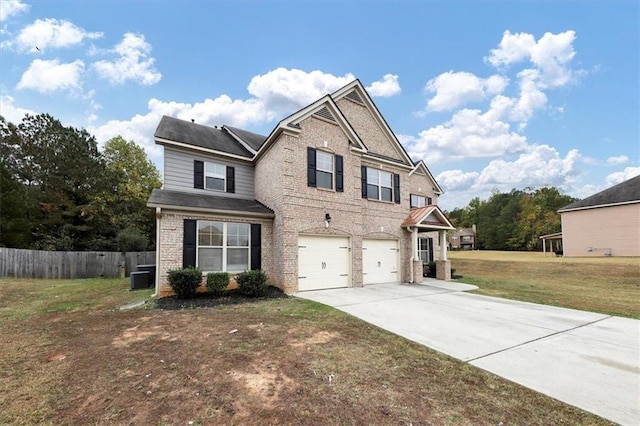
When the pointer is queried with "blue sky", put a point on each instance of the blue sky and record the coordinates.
(492, 95)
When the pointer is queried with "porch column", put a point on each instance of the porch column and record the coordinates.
(443, 266)
(417, 262)
(443, 244)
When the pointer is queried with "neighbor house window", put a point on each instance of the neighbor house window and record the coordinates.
(214, 176)
(223, 247)
(379, 184)
(420, 201)
(324, 170)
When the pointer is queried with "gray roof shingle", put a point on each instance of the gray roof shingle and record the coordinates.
(198, 201)
(254, 140)
(624, 192)
(194, 134)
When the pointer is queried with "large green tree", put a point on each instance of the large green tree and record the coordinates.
(125, 203)
(513, 220)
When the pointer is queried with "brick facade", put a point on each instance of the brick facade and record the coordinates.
(280, 184)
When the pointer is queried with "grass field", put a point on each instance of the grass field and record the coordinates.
(609, 285)
(70, 356)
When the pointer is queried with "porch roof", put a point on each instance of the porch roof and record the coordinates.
(427, 218)
(178, 200)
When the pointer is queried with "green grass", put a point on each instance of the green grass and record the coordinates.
(24, 298)
(606, 285)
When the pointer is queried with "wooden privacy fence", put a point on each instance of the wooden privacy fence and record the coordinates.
(20, 263)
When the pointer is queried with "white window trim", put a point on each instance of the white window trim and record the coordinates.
(379, 185)
(332, 171)
(222, 176)
(224, 246)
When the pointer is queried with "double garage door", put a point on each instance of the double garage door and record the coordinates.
(325, 262)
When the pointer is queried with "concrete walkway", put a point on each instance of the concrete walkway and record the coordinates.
(585, 359)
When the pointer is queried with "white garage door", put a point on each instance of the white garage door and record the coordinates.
(323, 262)
(380, 261)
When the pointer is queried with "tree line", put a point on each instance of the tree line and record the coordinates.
(58, 191)
(513, 220)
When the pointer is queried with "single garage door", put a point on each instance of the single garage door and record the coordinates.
(380, 261)
(323, 262)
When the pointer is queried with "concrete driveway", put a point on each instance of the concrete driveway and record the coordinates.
(585, 359)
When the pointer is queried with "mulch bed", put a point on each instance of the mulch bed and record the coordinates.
(205, 300)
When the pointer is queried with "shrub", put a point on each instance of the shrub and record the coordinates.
(131, 239)
(252, 283)
(430, 270)
(217, 283)
(185, 281)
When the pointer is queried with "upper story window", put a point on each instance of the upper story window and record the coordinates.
(380, 185)
(466, 238)
(420, 201)
(324, 170)
(215, 176)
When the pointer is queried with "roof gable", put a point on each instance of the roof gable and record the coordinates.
(355, 92)
(626, 192)
(180, 132)
(421, 166)
(324, 108)
(429, 217)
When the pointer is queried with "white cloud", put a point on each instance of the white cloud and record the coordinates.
(453, 89)
(457, 180)
(51, 33)
(616, 161)
(469, 134)
(386, 87)
(626, 174)
(50, 76)
(289, 89)
(540, 165)
(9, 8)
(12, 113)
(133, 63)
(513, 48)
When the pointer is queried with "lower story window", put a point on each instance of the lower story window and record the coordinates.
(223, 246)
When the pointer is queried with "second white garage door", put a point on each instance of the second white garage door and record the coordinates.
(380, 261)
(323, 262)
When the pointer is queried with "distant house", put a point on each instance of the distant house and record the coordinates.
(604, 224)
(463, 239)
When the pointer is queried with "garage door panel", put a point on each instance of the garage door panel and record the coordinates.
(380, 259)
(323, 262)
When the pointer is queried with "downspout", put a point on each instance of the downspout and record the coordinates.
(157, 283)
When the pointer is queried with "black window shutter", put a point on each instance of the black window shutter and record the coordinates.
(189, 243)
(429, 201)
(256, 244)
(430, 250)
(311, 166)
(396, 188)
(198, 174)
(411, 205)
(363, 178)
(231, 179)
(339, 174)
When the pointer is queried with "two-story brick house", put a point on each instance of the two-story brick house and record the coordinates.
(329, 198)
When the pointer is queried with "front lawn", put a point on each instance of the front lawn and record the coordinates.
(607, 285)
(70, 356)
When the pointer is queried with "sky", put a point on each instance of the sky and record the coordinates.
(492, 95)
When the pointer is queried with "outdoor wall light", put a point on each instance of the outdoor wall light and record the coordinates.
(327, 220)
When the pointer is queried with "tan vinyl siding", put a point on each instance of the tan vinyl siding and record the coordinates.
(614, 230)
(178, 173)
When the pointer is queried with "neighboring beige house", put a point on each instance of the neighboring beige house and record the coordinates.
(462, 239)
(604, 224)
(329, 198)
